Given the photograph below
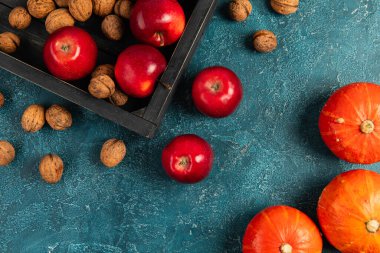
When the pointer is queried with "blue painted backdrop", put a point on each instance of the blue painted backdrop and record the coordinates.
(269, 152)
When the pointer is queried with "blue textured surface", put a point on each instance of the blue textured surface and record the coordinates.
(269, 152)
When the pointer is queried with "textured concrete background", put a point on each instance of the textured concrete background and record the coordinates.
(269, 152)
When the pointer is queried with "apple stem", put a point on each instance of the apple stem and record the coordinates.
(373, 226)
(286, 248)
(367, 126)
(183, 163)
(159, 37)
(215, 87)
(65, 48)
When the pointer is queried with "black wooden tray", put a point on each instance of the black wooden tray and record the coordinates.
(142, 116)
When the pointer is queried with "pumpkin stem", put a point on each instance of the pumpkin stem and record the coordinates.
(286, 248)
(367, 126)
(372, 226)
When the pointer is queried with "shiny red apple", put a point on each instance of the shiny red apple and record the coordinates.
(157, 22)
(188, 158)
(138, 68)
(217, 92)
(70, 53)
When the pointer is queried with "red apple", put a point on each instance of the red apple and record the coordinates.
(70, 53)
(138, 68)
(217, 92)
(157, 22)
(188, 158)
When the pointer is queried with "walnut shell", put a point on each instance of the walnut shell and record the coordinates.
(113, 27)
(123, 8)
(118, 98)
(105, 69)
(2, 100)
(57, 19)
(103, 7)
(113, 152)
(101, 86)
(240, 9)
(33, 118)
(62, 3)
(285, 7)
(40, 8)
(51, 168)
(58, 117)
(81, 10)
(264, 41)
(9, 42)
(19, 18)
(7, 153)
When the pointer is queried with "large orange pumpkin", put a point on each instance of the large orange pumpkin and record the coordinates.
(349, 212)
(350, 123)
(282, 229)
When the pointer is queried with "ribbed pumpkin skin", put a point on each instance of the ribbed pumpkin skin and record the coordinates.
(278, 225)
(341, 119)
(346, 205)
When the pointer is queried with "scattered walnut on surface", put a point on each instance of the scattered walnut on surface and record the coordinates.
(7, 153)
(57, 19)
(19, 18)
(105, 69)
(33, 118)
(103, 7)
(285, 7)
(240, 9)
(2, 100)
(101, 86)
(81, 10)
(123, 8)
(9, 42)
(40, 8)
(51, 168)
(113, 153)
(119, 98)
(264, 41)
(58, 117)
(113, 27)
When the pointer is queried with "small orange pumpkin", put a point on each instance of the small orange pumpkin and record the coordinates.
(350, 123)
(349, 212)
(282, 229)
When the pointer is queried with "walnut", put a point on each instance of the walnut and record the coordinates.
(62, 3)
(285, 7)
(264, 41)
(113, 27)
(9, 42)
(51, 168)
(7, 153)
(58, 117)
(2, 100)
(118, 98)
(240, 9)
(40, 8)
(103, 7)
(113, 152)
(81, 10)
(105, 69)
(19, 18)
(123, 8)
(33, 118)
(101, 86)
(57, 19)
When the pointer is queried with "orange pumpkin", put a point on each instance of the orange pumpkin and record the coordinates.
(349, 212)
(282, 229)
(350, 123)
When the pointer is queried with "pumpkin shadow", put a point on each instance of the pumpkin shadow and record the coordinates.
(308, 129)
(236, 229)
(307, 202)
